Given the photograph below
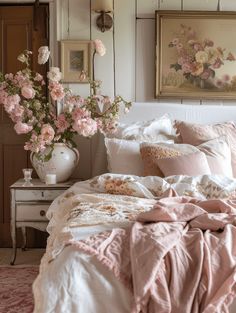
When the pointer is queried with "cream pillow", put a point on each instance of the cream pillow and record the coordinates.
(123, 156)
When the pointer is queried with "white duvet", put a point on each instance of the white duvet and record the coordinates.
(72, 282)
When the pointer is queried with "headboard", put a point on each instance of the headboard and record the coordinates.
(93, 155)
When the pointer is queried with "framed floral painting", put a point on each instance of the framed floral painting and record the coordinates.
(196, 54)
(76, 58)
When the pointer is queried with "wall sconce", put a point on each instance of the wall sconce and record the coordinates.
(104, 20)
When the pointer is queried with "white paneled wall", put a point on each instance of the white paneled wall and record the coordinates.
(128, 67)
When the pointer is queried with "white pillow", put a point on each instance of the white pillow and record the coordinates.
(123, 156)
(158, 129)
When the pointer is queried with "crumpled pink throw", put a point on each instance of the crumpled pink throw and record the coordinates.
(180, 257)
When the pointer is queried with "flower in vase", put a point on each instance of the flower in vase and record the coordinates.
(43, 55)
(23, 97)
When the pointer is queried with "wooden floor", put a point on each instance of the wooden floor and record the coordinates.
(28, 257)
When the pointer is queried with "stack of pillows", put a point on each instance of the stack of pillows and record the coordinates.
(162, 148)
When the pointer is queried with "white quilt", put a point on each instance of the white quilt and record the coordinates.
(72, 282)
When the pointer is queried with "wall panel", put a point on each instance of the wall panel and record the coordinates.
(170, 4)
(145, 60)
(204, 5)
(228, 5)
(124, 39)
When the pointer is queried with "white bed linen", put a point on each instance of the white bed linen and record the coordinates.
(74, 282)
(77, 283)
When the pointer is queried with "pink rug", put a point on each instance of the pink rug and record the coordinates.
(16, 289)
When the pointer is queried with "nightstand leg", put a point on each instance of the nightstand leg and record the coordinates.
(23, 231)
(13, 236)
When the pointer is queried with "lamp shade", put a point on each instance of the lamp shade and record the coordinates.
(102, 5)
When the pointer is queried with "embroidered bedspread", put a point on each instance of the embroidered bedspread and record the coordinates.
(187, 236)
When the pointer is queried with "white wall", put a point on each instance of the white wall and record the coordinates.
(128, 67)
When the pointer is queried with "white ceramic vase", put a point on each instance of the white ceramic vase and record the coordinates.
(62, 163)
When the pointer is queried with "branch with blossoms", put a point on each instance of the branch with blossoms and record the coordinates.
(23, 98)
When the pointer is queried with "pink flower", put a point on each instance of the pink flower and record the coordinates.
(3, 97)
(86, 127)
(28, 92)
(61, 123)
(38, 77)
(22, 128)
(35, 144)
(47, 133)
(56, 91)
(206, 74)
(226, 78)
(11, 102)
(99, 47)
(217, 63)
(197, 47)
(17, 113)
(187, 67)
(79, 113)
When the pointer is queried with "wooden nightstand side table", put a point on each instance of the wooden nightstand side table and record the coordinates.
(29, 205)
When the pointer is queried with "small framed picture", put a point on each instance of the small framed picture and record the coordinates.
(76, 58)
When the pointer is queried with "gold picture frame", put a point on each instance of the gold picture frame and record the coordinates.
(76, 58)
(195, 55)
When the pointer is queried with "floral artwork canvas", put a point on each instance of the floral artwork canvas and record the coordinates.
(196, 55)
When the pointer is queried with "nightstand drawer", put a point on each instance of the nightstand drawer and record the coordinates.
(37, 195)
(31, 212)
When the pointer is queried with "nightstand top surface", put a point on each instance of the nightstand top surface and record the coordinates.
(38, 184)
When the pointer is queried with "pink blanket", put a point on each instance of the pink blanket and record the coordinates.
(180, 257)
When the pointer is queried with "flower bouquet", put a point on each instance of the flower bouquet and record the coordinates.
(23, 97)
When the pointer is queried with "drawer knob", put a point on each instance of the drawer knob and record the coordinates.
(42, 213)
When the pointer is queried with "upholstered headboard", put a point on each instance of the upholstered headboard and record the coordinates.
(93, 155)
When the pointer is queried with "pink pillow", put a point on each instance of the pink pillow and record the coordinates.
(195, 134)
(192, 164)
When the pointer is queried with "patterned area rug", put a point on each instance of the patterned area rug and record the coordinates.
(16, 289)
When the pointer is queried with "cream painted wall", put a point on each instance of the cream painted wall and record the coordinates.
(128, 67)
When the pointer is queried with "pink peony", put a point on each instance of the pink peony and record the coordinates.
(86, 127)
(99, 47)
(187, 67)
(61, 123)
(56, 91)
(36, 144)
(22, 128)
(28, 92)
(11, 102)
(17, 113)
(47, 133)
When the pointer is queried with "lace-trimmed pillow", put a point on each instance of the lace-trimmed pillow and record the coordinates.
(195, 134)
(217, 151)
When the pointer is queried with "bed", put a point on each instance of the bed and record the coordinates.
(89, 260)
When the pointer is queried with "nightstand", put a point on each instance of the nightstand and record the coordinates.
(29, 205)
